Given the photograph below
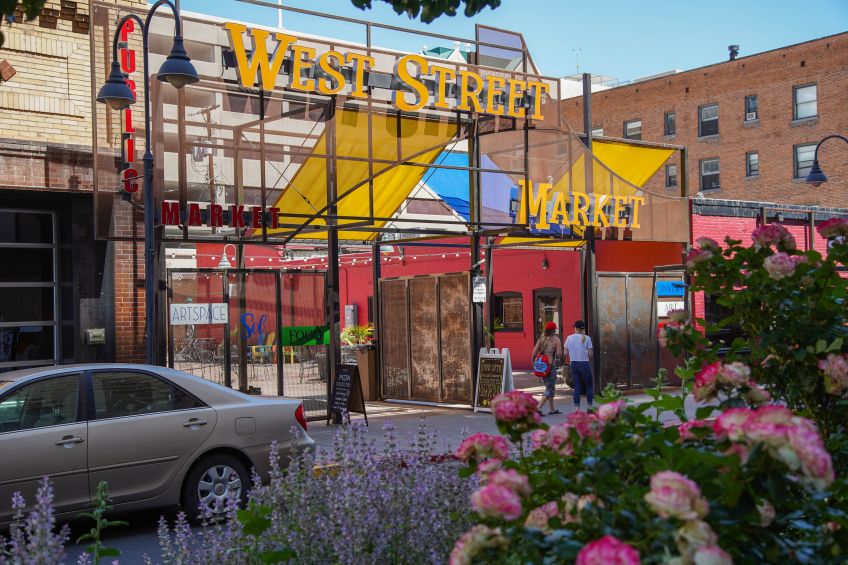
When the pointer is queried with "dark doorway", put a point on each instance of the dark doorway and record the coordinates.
(547, 307)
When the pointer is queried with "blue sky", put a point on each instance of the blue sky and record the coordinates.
(625, 39)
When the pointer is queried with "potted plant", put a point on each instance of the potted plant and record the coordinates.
(359, 345)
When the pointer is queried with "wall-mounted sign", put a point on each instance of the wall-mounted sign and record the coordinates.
(564, 209)
(129, 172)
(479, 290)
(413, 81)
(670, 289)
(663, 308)
(194, 314)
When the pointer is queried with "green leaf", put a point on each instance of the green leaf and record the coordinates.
(277, 556)
(821, 346)
(704, 412)
(109, 552)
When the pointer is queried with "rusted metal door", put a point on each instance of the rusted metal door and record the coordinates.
(627, 324)
(426, 338)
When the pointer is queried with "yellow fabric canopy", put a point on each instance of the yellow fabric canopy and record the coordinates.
(307, 192)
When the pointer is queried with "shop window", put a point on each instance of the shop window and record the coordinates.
(752, 164)
(805, 101)
(708, 120)
(633, 129)
(715, 313)
(751, 109)
(670, 124)
(804, 155)
(710, 174)
(670, 176)
(509, 311)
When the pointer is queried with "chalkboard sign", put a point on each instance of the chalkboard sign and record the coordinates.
(490, 380)
(347, 394)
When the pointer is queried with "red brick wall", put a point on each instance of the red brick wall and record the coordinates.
(129, 288)
(37, 165)
(771, 76)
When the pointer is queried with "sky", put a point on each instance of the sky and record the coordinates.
(625, 39)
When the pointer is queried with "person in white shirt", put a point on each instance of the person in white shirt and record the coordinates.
(578, 350)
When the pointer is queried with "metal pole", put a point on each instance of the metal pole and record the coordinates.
(377, 315)
(149, 251)
(590, 296)
(333, 309)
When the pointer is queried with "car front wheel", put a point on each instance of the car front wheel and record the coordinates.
(211, 482)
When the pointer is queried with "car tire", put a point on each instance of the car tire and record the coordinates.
(210, 480)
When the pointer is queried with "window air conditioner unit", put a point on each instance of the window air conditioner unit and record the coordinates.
(750, 116)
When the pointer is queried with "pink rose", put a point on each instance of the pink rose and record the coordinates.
(685, 429)
(610, 411)
(516, 407)
(734, 374)
(708, 243)
(475, 540)
(770, 425)
(587, 425)
(704, 387)
(816, 463)
(488, 467)
(696, 256)
(773, 234)
(539, 517)
(780, 265)
(608, 550)
(495, 501)
(730, 424)
(511, 479)
(833, 227)
(711, 555)
(694, 534)
(835, 369)
(674, 496)
(539, 438)
(559, 437)
(480, 446)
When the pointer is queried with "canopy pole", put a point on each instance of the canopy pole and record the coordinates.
(475, 211)
(376, 313)
(589, 295)
(332, 305)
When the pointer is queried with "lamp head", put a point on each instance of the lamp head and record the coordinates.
(177, 68)
(816, 177)
(115, 92)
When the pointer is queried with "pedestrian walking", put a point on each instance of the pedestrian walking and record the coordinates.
(578, 348)
(550, 347)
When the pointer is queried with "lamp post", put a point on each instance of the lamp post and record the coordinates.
(115, 93)
(816, 177)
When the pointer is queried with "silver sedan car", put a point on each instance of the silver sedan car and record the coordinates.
(157, 436)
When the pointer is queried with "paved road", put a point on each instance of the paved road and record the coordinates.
(140, 537)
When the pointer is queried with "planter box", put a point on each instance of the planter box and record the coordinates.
(366, 358)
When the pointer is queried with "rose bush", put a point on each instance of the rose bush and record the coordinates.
(753, 478)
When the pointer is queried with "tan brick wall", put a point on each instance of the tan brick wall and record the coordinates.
(771, 76)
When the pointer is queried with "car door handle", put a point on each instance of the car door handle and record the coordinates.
(69, 441)
(194, 422)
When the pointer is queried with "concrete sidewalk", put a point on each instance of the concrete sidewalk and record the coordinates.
(451, 424)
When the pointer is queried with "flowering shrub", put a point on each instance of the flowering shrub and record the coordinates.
(32, 536)
(366, 505)
(752, 479)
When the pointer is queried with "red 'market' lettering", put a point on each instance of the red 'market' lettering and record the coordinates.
(236, 216)
(275, 217)
(194, 215)
(256, 213)
(171, 213)
(216, 216)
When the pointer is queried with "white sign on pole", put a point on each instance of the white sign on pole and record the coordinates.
(192, 314)
(663, 308)
(479, 292)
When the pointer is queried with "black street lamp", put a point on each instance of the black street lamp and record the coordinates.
(816, 177)
(177, 70)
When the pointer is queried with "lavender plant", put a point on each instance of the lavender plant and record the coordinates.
(32, 537)
(358, 503)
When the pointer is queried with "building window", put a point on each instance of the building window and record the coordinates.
(633, 129)
(708, 120)
(597, 132)
(751, 111)
(509, 312)
(670, 124)
(752, 164)
(805, 102)
(804, 159)
(670, 176)
(710, 174)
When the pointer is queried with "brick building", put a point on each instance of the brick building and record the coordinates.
(57, 279)
(750, 124)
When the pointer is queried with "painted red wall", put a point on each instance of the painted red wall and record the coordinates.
(635, 256)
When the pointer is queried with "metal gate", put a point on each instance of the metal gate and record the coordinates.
(627, 320)
(258, 330)
(425, 338)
